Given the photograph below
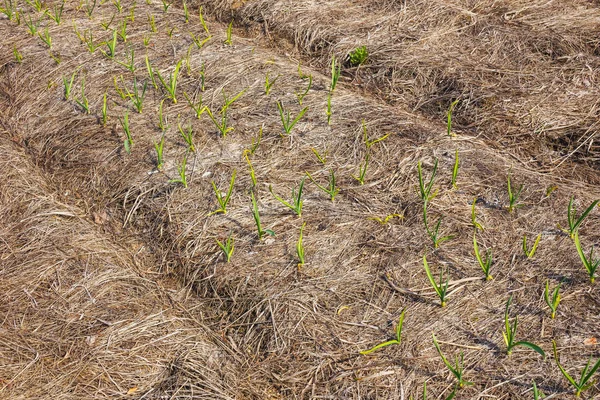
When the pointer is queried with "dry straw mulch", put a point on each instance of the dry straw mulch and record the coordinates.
(112, 283)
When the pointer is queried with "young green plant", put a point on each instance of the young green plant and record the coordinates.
(181, 169)
(162, 120)
(256, 142)
(513, 197)
(302, 95)
(250, 168)
(223, 200)
(112, 46)
(425, 188)
(188, 136)
(336, 70)
(476, 224)
(159, 147)
(269, 83)
(255, 214)
(455, 169)
(457, 369)
(285, 117)
(511, 330)
(537, 394)
(203, 22)
(32, 26)
(574, 222)
(591, 265)
(228, 33)
(122, 32)
(362, 169)
(358, 56)
(198, 108)
(296, 204)
(434, 234)
(227, 247)
(130, 63)
(150, 72)
(331, 189)
(46, 38)
(170, 85)
(68, 84)
(441, 289)
(397, 340)
(584, 381)
(56, 14)
(128, 142)
(300, 247)
(136, 97)
(222, 125)
(485, 265)
(321, 157)
(552, 301)
(449, 117)
(18, 55)
(83, 102)
(530, 253)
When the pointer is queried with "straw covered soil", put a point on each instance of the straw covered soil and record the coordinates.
(112, 284)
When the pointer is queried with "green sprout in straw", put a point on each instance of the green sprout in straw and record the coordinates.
(68, 84)
(255, 214)
(188, 136)
(362, 169)
(223, 200)
(397, 340)
(227, 247)
(83, 103)
(197, 107)
(529, 253)
(511, 330)
(170, 85)
(296, 204)
(269, 83)
(300, 247)
(285, 117)
(256, 143)
(552, 301)
(584, 381)
(425, 188)
(434, 234)
(457, 369)
(455, 169)
(574, 222)
(537, 394)
(321, 157)
(302, 95)
(181, 170)
(485, 265)
(589, 262)
(441, 289)
(128, 142)
(476, 224)
(159, 153)
(449, 117)
(512, 196)
(331, 189)
(229, 31)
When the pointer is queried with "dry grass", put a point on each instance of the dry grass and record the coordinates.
(112, 280)
(523, 70)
